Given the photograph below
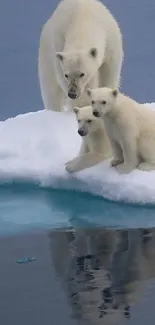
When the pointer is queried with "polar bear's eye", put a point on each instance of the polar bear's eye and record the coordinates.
(66, 76)
(81, 75)
(104, 102)
(89, 121)
(93, 102)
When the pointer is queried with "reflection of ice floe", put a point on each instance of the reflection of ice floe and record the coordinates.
(35, 146)
(104, 273)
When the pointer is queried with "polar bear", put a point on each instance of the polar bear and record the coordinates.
(130, 127)
(80, 47)
(95, 143)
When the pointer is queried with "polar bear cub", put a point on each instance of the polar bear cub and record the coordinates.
(80, 47)
(130, 127)
(95, 143)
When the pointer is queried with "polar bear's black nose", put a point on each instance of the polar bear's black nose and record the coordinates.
(81, 132)
(96, 113)
(71, 95)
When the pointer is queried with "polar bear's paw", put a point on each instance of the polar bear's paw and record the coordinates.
(116, 162)
(146, 166)
(124, 168)
(72, 166)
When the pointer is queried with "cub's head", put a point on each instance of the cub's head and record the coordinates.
(78, 69)
(102, 100)
(87, 122)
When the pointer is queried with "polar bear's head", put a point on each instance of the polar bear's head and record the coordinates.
(87, 122)
(102, 100)
(78, 69)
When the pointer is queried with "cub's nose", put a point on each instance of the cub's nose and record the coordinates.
(81, 132)
(96, 113)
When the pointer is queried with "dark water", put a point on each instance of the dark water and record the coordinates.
(85, 272)
(80, 276)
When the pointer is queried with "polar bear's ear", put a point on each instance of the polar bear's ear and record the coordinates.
(75, 109)
(59, 55)
(88, 92)
(93, 52)
(115, 92)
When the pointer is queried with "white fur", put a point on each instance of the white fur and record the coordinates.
(130, 127)
(95, 144)
(75, 28)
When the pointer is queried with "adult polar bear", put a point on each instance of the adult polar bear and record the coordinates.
(80, 48)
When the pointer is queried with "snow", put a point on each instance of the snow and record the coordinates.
(35, 146)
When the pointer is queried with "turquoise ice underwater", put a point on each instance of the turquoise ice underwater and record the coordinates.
(24, 208)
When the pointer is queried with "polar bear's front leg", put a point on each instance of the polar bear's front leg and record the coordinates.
(55, 99)
(82, 162)
(117, 154)
(129, 146)
(52, 95)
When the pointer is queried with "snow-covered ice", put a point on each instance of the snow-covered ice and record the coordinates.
(35, 146)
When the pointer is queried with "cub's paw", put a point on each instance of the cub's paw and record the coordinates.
(72, 166)
(115, 162)
(146, 167)
(124, 169)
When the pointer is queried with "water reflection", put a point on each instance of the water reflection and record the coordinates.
(103, 272)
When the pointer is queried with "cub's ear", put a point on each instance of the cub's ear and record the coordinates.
(59, 56)
(75, 110)
(88, 91)
(115, 92)
(93, 52)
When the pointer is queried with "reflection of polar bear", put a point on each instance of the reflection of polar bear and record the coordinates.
(80, 47)
(95, 146)
(130, 127)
